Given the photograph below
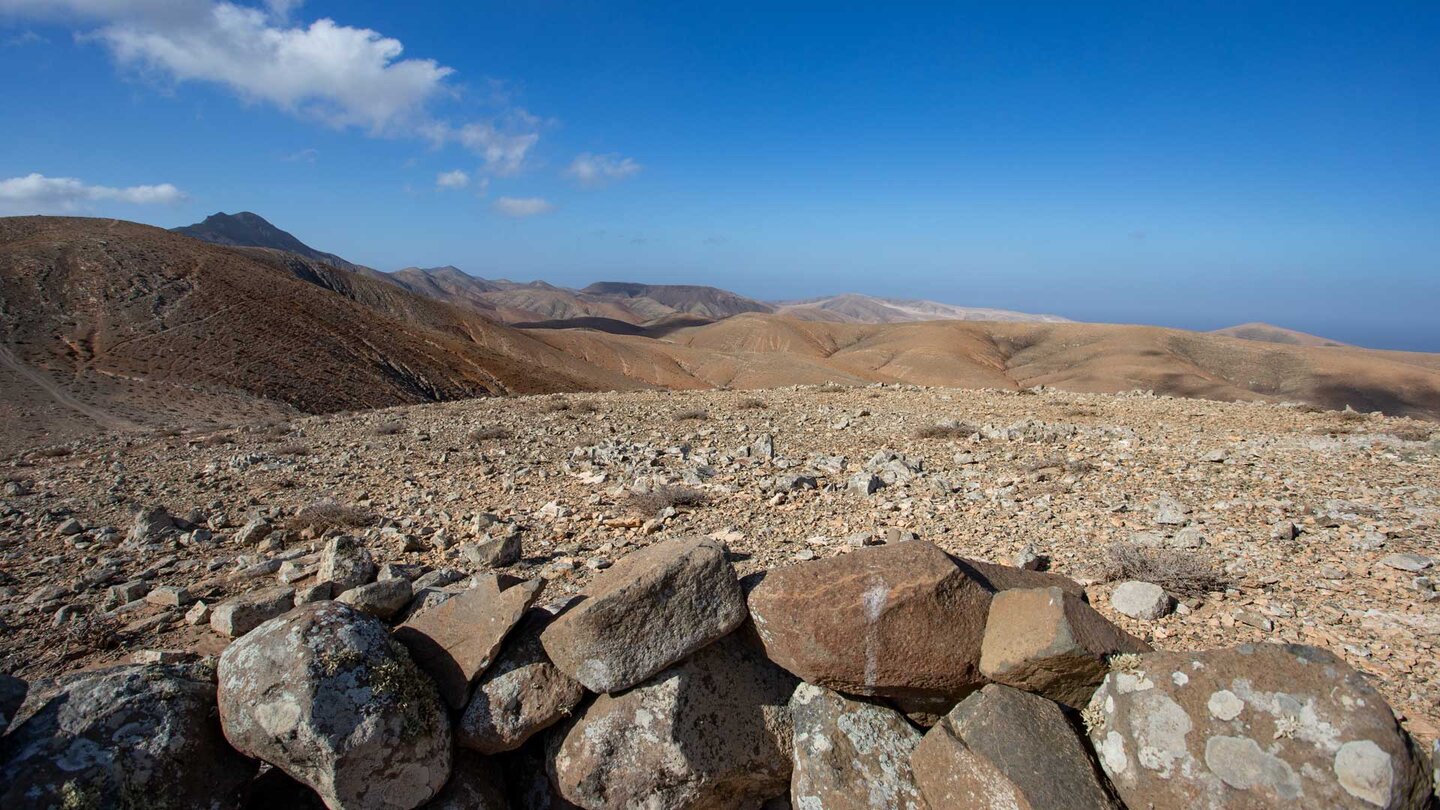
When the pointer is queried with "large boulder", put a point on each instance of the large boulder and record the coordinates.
(457, 640)
(1253, 726)
(12, 694)
(1047, 641)
(1001, 747)
(522, 693)
(123, 737)
(900, 621)
(850, 755)
(325, 695)
(650, 609)
(710, 732)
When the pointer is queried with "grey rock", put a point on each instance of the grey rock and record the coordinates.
(864, 484)
(382, 599)
(325, 695)
(521, 694)
(128, 736)
(850, 755)
(254, 530)
(1170, 512)
(175, 596)
(345, 564)
(1414, 563)
(1141, 600)
(238, 615)
(493, 553)
(647, 611)
(152, 525)
(439, 578)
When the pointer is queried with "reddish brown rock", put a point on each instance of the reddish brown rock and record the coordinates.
(1048, 642)
(650, 609)
(901, 621)
(455, 641)
(1256, 726)
(1001, 747)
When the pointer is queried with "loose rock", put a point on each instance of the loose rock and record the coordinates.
(849, 754)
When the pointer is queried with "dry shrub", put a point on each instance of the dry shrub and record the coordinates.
(1410, 433)
(585, 406)
(389, 428)
(556, 406)
(487, 434)
(751, 404)
(324, 515)
(292, 449)
(92, 631)
(648, 503)
(692, 415)
(1181, 573)
(947, 430)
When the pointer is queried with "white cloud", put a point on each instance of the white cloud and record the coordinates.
(38, 194)
(597, 170)
(342, 75)
(522, 206)
(452, 180)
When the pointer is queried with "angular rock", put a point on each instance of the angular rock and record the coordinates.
(647, 611)
(381, 599)
(239, 615)
(152, 524)
(1050, 643)
(254, 530)
(475, 784)
(1001, 747)
(12, 694)
(455, 641)
(848, 754)
(1141, 600)
(127, 736)
(522, 693)
(345, 564)
(710, 732)
(1414, 563)
(1254, 726)
(495, 553)
(864, 484)
(900, 621)
(325, 695)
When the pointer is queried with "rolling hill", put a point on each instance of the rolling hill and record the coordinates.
(1269, 333)
(857, 308)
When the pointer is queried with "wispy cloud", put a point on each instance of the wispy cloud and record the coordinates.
(456, 179)
(302, 156)
(522, 206)
(343, 76)
(38, 194)
(593, 171)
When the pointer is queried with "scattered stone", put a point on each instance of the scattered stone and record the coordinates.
(152, 525)
(137, 735)
(310, 594)
(1188, 538)
(1141, 600)
(198, 614)
(345, 564)
(652, 608)
(69, 527)
(239, 615)
(1253, 619)
(521, 694)
(1254, 726)
(455, 641)
(254, 530)
(1284, 531)
(1170, 512)
(848, 754)
(175, 596)
(1001, 747)
(864, 484)
(900, 621)
(382, 599)
(325, 695)
(713, 731)
(1048, 642)
(1414, 563)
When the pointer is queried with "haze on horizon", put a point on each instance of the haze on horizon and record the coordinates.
(1117, 162)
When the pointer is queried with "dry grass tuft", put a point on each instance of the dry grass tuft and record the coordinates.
(648, 503)
(1181, 573)
(947, 430)
(389, 428)
(692, 415)
(324, 515)
(751, 404)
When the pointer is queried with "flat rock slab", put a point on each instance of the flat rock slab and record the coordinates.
(713, 731)
(124, 737)
(1001, 747)
(850, 755)
(1048, 642)
(902, 621)
(1141, 600)
(239, 615)
(522, 693)
(327, 696)
(455, 641)
(1254, 726)
(650, 609)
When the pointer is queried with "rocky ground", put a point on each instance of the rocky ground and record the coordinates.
(1264, 522)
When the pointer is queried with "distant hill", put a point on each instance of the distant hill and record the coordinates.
(857, 308)
(252, 230)
(1268, 333)
(662, 300)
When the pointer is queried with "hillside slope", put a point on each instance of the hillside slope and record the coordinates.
(857, 308)
(152, 328)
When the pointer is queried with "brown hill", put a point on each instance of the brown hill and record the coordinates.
(1269, 333)
(857, 308)
(121, 324)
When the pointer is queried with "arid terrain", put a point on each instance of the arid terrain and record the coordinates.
(1285, 519)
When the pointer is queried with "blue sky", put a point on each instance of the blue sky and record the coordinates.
(1193, 165)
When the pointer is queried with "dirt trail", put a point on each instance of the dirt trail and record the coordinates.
(104, 419)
